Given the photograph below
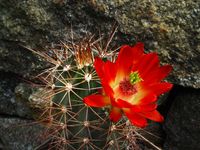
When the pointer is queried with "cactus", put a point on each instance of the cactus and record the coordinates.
(70, 123)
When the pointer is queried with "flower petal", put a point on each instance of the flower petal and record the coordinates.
(119, 95)
(138, 50)
(158, 74)
(127, 56)
(98, 64)
(123, 104)
(153, 115)
(144, 108)
(97, 100)
(149, 62)
(109, 71)
(108, 90)
(149, 98)
(115, 114)
(105, 70)
(160, 88)
(135, 119)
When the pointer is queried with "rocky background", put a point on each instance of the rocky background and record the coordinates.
(169, 27)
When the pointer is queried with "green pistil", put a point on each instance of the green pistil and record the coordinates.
(134, 77)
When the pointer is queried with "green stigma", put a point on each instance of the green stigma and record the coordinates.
(134, 77)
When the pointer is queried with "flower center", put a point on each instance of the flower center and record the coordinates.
(135, 77)
(127, 88)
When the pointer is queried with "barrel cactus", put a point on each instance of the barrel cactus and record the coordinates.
(72, 120)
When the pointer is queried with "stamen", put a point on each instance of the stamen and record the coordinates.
(135, 77)
(127, 88)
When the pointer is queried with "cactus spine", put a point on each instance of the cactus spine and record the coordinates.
(71, 124)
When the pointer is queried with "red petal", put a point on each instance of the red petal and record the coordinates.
(136, 108)
(150, 98)
(96, 100)
(98, 64)
(148, 63)
(138, 51)
(135, 119)
(163, 72)
(139, 47)
(160, 88)
(105, 70)
(126, 57)
(123, 104)
(144, 108)
(113, 102)
(109, 71)
(115, 114)
(153, 115)
(158, 74)
(108, 90)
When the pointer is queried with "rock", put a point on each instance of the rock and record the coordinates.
(34, 99)
(169, 27)
(36, 24)
(182, 123)
(19, 134)
(9, 105)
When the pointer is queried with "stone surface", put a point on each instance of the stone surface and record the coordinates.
(182, 124)
(19, 134)
(37, 24)
(17, 130)
(9, 105)
(170, 28)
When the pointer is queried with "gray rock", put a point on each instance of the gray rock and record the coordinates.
(9, 105)
(37, 24)
(33, 98)
(17, 130)
(169, 27)
(19, 134)
(18, 20)
(182, 124)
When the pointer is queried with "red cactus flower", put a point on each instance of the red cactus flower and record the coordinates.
(131, 85)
